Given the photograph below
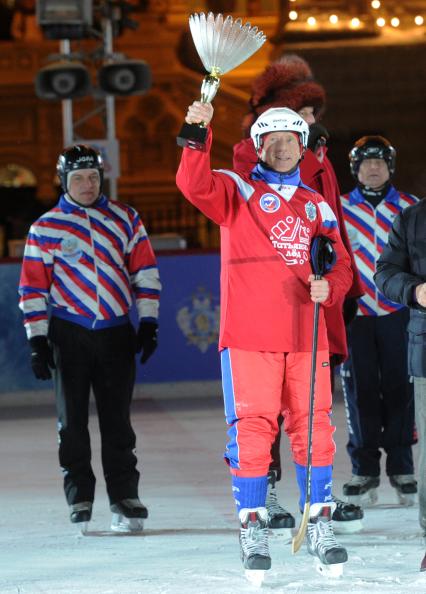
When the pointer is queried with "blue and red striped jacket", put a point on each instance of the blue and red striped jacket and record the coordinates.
(87, 264)
(368, 230)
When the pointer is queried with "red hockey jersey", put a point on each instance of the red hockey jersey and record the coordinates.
(321, 178)
(265, 247)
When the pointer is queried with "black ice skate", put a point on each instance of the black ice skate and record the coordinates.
(81, 514)
(128, 515)
(347, 517)
(279, 519)
(254, 543)
(322, 543)
(406, 488)
(361, 489)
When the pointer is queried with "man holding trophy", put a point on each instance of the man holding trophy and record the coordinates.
(268, 221)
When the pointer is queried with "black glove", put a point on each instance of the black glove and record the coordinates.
(146, 340)
(350, 308)
(41, 357)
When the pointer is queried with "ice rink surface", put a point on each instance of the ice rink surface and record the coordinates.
(190, 541)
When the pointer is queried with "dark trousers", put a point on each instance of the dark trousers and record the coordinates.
(378, 396)
(101, 360)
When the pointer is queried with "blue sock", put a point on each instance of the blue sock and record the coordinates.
(321, 479)
(249, 492)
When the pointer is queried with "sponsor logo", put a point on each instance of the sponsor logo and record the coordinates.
(269, 203)
(291, 238)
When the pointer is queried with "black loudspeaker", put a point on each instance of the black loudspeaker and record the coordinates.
(62, 80)
(127, 77)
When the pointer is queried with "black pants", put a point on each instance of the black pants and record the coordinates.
(378, 396)
(102, 360)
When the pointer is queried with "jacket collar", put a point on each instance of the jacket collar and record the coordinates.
(392, 196)
(270, 176)
(67, 204)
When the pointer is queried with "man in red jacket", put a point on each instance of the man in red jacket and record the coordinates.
(289, 83)
(268, 221)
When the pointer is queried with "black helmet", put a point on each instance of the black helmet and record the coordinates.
(372, 147)
(79, 156)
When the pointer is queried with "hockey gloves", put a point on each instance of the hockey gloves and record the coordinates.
(350, 308)
(41, 357)
(146, 340)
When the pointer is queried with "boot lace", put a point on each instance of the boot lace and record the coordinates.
(254, 540)
(322, 536)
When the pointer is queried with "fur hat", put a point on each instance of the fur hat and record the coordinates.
(288, 82)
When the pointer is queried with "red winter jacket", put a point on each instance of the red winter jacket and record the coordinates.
(321, 178)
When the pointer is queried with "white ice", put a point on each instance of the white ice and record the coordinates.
(190, 541)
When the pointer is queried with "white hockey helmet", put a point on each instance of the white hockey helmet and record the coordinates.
(279, 119)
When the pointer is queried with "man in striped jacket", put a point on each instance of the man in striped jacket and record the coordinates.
(378, 396)
(85, 260)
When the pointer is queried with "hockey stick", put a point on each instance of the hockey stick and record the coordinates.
(322, 260)
(297, 540)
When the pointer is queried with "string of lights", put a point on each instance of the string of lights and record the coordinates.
(380, 13)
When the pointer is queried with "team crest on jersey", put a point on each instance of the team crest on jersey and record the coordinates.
(311, 211)
(269, 203)
(70, 248)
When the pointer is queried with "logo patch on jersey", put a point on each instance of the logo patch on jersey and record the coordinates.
(269, 203)
(70, 248)
(311, 211)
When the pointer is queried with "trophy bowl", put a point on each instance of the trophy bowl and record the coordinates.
(222, 44)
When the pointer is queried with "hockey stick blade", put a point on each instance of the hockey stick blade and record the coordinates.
(297, 540)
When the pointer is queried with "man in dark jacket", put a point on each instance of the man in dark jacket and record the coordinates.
(400, 275)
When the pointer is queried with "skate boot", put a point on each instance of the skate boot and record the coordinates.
(81, 513)
(423, 564)
(254, 543)
(128, 515)
(347, 517)
(406, 488)
(361, 489)
(279, 519)
(322, 543)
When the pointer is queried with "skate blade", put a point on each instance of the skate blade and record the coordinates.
(349, 527)
(126, 525)
(82, 528)
(255, 576)
(333, 571)
(406, 499)
(364, 500)
(283, 534)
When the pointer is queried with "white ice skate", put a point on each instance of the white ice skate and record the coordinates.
(406, 488)
(80, 514)
(254, 544)
(322, 544)
(361, 490)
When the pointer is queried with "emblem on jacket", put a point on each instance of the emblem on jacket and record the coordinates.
(269, 203)
(70, 248)
(311, 211)
(198, 319)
